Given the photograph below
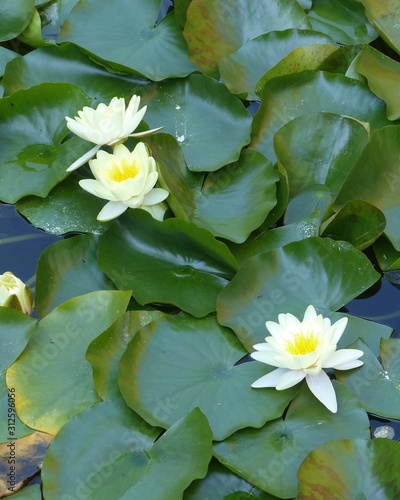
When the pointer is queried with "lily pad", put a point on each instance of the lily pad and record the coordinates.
(377, 186)
(6, 56)
(306, 425)
(385, 18)
(231, 202)
(32, 127)
(17, 429)
(290, 96)
(377, 385)
(169, 262)
(108, 452)
(134, 40)
(213, 30)
(56, 353)
(66, 269)
(66, 63)
(351, 468)
(242, 69)
(161, 389)
(210, 124)
(388, 258)
(15, 16)
(321, 272)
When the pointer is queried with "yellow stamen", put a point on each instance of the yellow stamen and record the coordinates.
(122, 170)
(302, 343)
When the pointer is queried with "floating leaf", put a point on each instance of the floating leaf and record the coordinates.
(52, 379)
(377, 186)
(108, 451)
(321, 272)
(377, 385)
(212, 30)
(66, 269)
(290, 96)
(388, 258)
(16, 428)
(384, 15)
(5, 57)
(133, 41)
(15, 16)
(210, 124)
(178, 363)
(306, 425)
(32, 127)
(356, 468)
(169, 262)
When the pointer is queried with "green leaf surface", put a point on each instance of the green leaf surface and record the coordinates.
(290, 96)
(15, 16)
(230, 202)
(242, 69)
(321, 272)
(68, 64)
(17, 428)
(32, 127)
(214, 29)
(357, 222)
(210, 124)
(377, 186)
(171, 262)
(29, 493)
(271, 239)
(306, 425)
(134, 40)
(179, 363)
(315, 198)
(67, 208)
(66, 269)
(52, 379)
(104, 353)
(388, 258)
(32, 34)
(15, 331)
(356, 468)
(377, 385)
(122, 461)
(343, 20)
(383, 75)
(384, 15)
(6, 56)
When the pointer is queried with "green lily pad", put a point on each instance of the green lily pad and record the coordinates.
(68, 64)
(16, 329)
(356, 468)
(17, 428)
(383, 75)
(6, 56)
(66, 269)
(169, 262)
(104, 353)
(15, 16)
(321, 272)
(357, 222)
(32, 127)
(306, 425)
(388, 258)
(52, 379)
(376, 385)
(134, 40)
(29, 493)
(384, 15)
(290, 96)
(109, 452)
(212, 30)
(343, 20)
(67, 208)
(242, 69)
(270, 239)
(210, 124)
(379, 187)
(231, 202)
(32, 34)
(315, 198)
(178, 363)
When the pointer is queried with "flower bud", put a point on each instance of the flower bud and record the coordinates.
(14, 293)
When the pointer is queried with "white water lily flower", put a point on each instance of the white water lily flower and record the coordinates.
(301, 349)
(14, 293)
(127, 180)
(107, 125)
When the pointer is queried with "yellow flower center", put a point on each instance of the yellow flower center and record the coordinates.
(302, 343)
(122, 170)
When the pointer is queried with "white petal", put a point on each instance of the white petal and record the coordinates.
(341, 357)
(275, 329)
(322, 388)
(291, 322)
(112, 210)
(145, 132)
(339, 329)
(310, 314)
(266, 357)
(263, 347)
(156, 211)
(289, 379)
(349, 366)
(156, 195)
(97, 189)
(270, 379)
(83, 159)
